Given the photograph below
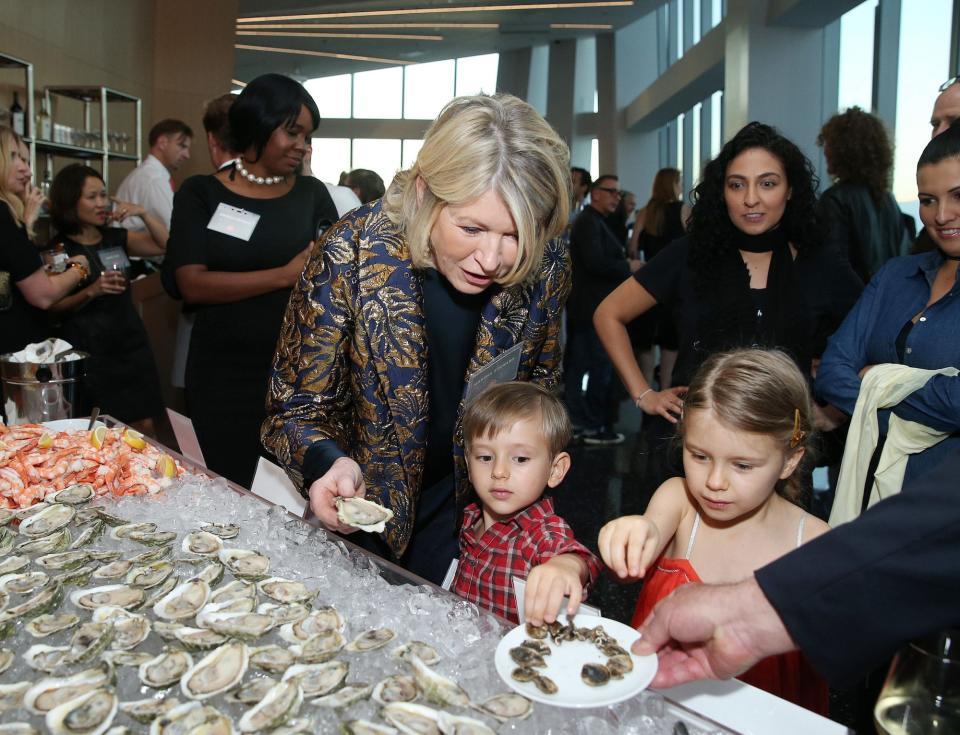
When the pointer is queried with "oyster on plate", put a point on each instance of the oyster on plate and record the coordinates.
(317, 680)
(88, 714)
(118, 595)
(280, 704)
(284, 590)
(372, 639)
(183, 601)
(165, 669)
(51, 692)
(397, 688)
(218, 671)
(46, 521)
(244, 563)
(363, 514)
(201, 543)
(435, 687)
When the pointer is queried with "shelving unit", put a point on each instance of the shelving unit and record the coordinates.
(12, 62)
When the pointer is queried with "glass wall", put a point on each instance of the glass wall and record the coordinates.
(856, 56)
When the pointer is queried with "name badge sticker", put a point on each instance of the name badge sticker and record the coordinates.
(233, 221)
(501, 369)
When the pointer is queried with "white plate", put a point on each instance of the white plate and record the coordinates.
(70, 424)
(566, 660)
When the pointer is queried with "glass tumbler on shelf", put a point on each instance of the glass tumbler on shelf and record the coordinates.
(921, 694)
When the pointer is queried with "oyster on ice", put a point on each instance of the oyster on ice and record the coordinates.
(460, 725)
(365, 727)
(412, 718)
(118, 595)
(244, 563)
(344, 696)
(89, 535)
(198, 639)
(211, 574)
(427, 653)
(6, 659)
(127, 658)
(166, 669)
(223, 530)
(507, 706)
(46, 658)
(251, 692)
(56, 541)
(273, 658)
(280, 704)
(51, 518)
(14, 564)
(246, 626)
(395, 689)
(23, 583)
(316, 680)
(284, 614)
(363, 514)
(322, 620)
(218, 671)
(123, 531)
(113, 570)
(284, 590)
(129, 629)
(51, 692)
(11, 695)
(149, 575)
(43, 601)
(201, 543)
(146, 710)
(318, 648)
(370, 640)
(89, 640)
(436, 688)
(183, 601)
(193, 718)
(88, 714)
(72, 495)
(234, 590)
(64, 559)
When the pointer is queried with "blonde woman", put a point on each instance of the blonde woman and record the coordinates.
(402, 305)
(26, 289)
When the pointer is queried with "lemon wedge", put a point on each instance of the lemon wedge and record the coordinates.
(166, 466)
(98, 436)
(134, 439)
(45, 441)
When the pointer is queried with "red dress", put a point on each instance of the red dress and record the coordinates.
(789, 675)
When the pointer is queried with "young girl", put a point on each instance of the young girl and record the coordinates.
(745, 429)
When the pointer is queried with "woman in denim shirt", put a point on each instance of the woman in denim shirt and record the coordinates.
(910, 314)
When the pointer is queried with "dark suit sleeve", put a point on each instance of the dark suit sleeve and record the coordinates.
(588, 238)
(851, 597)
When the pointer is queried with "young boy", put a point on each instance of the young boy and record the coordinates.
(515, 435)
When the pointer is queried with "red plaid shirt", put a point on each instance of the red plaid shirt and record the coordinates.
(512, 548)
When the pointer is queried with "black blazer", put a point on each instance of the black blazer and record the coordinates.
(853, 596)
(599, 264)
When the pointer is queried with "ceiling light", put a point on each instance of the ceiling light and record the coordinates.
(438, 11)
(364, 26)
(314, 34)
(582, 26)
(238, 83)
(324, 54)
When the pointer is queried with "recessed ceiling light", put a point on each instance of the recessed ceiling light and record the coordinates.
(438, 11)
(364, 26)
(323, 34)
(582, 26)
(324, 54)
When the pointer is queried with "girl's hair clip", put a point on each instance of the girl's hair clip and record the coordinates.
(798, 434)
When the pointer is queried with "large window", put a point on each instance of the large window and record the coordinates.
(427, 88)
(856, 56)
(332, 95)
(378, 93)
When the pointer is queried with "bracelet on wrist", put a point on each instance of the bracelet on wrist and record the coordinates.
(639, 398)
(83, 270)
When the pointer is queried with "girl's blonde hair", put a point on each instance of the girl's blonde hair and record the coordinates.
(9, 142)
(479, 144)
(760, 392)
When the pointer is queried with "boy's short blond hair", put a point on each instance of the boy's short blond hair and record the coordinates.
(500, 406)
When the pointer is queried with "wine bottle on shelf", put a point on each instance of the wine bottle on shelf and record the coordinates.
(16, 115)
(44, 122)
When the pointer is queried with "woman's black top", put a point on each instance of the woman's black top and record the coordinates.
(20, 322)
(823, 288)
(672, 229)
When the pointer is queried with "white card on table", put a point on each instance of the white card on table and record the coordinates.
(233, 221)
(448, 577)
(271, 483)
(519, 585)
(186, 437)
(501, 369)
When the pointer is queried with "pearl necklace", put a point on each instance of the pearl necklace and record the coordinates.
(253, 178)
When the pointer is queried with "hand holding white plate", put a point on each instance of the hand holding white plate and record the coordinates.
(565, 662)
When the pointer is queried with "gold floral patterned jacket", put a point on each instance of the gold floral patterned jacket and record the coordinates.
(351, 362)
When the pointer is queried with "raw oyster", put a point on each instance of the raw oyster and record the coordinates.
(109, 518)
(7, 540)
(545, 684)
(121, 532)
(6, 515)
(284, 590)
(149, 575)
(507, 706)
(78, 576)
(46, 658)
(460, 725)
(246, 626)
(211, 573)
(89, 640)
(43, 601)
(51, 518)
(104, 555)
(524, 673)
(245, 564)
(152, 538)
(363, 514)
(298, 726)
(251, 692)
(240, 605)
(317, 680)
(11, 695)
(56, 541)
(527, 657)
(18, 728)
(161, 590)
(427, 653)
(371, 640)
(149, 557)
(198, 639)
(49, 693)
(280, 704)
(620, 664)
(88, 714)
(129, 629)
(23, 583)
(166, 669)
(318, 648)
(146, 710)
(595, 675)
(395, 689)
(119, 595)
(201, 543)
(272, 658)
(233, 591)
(6, 659)
(223, 530)
(436, 688)
(192, 718)
(284, 614)
(412, 718)
(64, 559)
(538, 647)
(113, 570)
(321, 620)
(89, 535)
(14, 564)
(344, 696)
(183, 601)
(365, 727)
(218, 671)
(127, 658)
(72, 495)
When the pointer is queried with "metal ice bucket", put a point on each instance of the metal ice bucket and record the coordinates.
(34, 392)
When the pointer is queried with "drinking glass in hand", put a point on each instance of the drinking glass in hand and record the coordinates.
(922, 692)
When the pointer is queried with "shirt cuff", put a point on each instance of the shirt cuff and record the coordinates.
(318, 460)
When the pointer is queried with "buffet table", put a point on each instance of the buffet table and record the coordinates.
(371, 594)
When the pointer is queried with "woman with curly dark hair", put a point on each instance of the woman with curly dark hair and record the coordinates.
(862, 216)
(751, 270)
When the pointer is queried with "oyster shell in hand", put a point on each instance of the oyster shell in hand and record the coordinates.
(363, 514)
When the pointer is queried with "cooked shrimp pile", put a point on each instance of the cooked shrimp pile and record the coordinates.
(35, 462)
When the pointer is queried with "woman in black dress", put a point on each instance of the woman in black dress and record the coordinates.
(238, 243)
(99, 317)
(26, 288)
